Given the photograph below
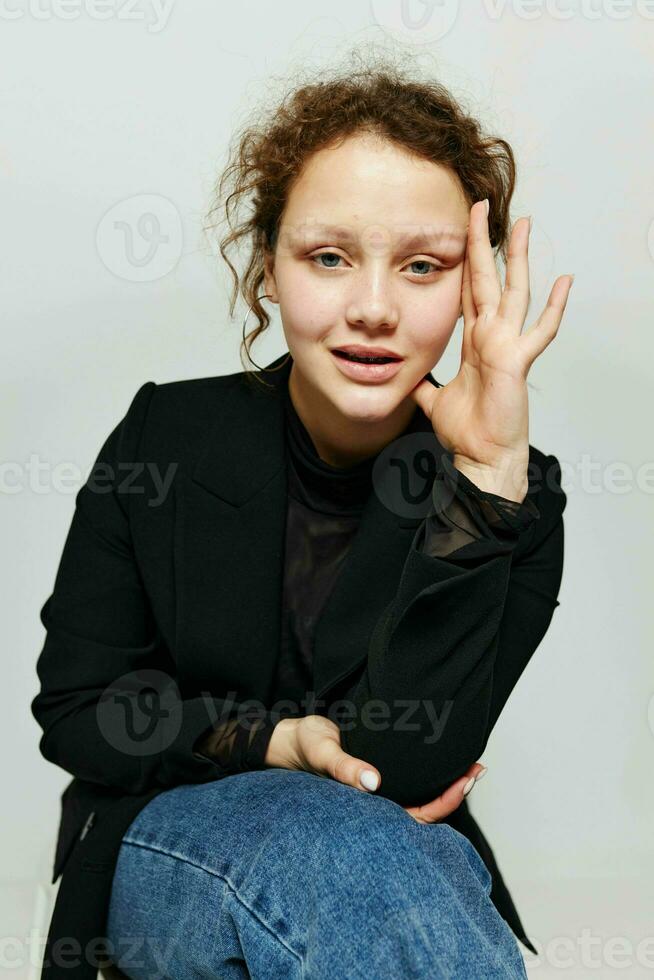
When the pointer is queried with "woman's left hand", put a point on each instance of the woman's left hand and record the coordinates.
(449, 800)
(482, 415)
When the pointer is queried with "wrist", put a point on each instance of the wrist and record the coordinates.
(281, 747)
(507, 478)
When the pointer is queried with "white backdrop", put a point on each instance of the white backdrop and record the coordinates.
(99, 111)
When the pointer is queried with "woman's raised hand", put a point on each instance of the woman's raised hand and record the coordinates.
(313, 743)
(482, 415)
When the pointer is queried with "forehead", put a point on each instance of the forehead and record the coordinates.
(368, 186)
(379, 234)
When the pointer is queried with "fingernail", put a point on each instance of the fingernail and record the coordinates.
(572, 279)
(487, 206)
(481, 774)
(531, 221)
(369, 780)
(468, 786)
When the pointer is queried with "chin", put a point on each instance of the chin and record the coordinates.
(367, 404)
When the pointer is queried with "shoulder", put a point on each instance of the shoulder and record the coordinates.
(190, 394)
(161, 410)
(168, 426)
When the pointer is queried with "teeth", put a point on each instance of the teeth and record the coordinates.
(366, 360)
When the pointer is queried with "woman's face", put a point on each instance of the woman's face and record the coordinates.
(370, 252)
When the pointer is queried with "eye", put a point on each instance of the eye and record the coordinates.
(424, 262)
(321, 255)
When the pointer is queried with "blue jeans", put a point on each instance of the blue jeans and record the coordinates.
(277, 874)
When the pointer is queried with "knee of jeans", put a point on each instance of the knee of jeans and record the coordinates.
(325, 803)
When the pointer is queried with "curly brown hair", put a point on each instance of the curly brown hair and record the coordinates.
(268, 154)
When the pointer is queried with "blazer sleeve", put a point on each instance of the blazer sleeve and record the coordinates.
(476, 596)
(239, 744)
(109, 705)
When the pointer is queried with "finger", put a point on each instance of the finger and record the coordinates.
(462, 787)
(424, 394)
(448, 801)
(486, 286)
(469, 308)
(515, 296)
(443, 805)
(344, 768)
(543, 332)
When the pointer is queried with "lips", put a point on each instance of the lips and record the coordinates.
(373, 373)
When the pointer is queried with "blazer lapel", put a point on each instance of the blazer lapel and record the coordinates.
(229, 547)
(229, 552)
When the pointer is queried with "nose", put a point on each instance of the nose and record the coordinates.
(372, 305)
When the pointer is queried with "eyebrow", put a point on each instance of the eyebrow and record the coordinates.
(410, 239)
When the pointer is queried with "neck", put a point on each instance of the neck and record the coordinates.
(341, 441)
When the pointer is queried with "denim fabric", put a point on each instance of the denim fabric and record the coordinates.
(277, 875)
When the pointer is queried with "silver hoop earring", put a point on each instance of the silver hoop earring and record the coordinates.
(284, 362)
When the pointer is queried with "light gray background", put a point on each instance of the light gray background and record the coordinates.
(98, 112)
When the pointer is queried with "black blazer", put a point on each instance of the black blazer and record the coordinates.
(170, 579)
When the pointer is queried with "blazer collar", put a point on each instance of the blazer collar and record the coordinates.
(230, 542)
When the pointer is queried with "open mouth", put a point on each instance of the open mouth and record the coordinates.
(367, 370)
(365, 360)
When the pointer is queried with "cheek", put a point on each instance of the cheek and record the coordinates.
(306, 310)
(433, 321)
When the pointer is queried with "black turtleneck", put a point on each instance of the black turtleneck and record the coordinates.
(319, 485)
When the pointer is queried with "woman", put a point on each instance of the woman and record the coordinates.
(361, 559)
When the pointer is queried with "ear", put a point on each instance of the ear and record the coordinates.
(269, 276)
